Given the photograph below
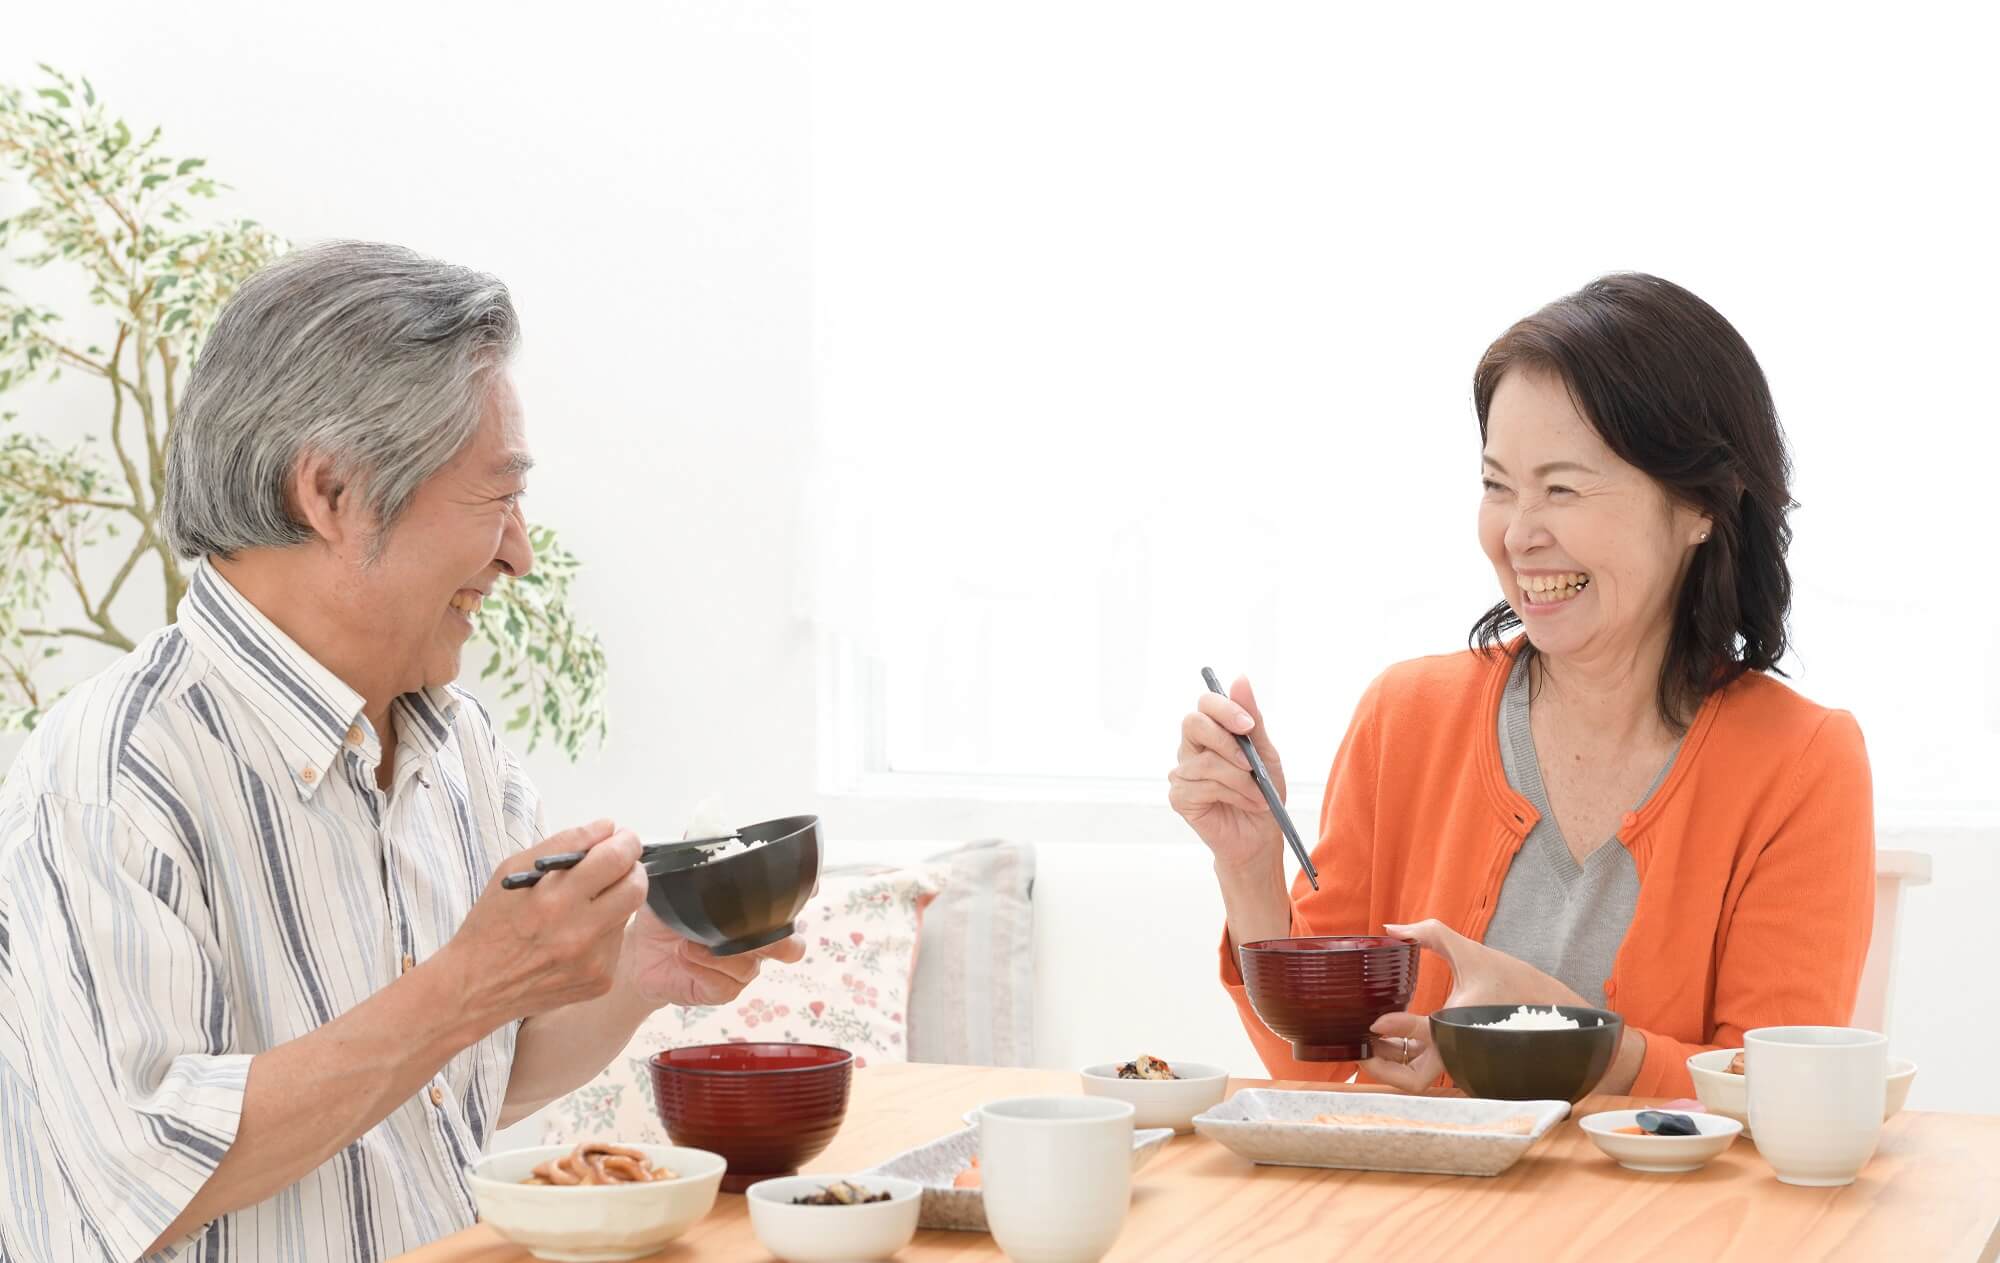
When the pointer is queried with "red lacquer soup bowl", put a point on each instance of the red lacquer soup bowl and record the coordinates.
(767, 1108)
(1323, 993)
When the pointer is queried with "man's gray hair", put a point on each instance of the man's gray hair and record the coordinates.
(369, 354)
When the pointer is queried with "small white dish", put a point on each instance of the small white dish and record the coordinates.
(1726, 1094)
(1663, 1155)
(1719, 1091)
(1276, 1128)
(594, 1223)
(1161, 1102)
(937, 1164)
(1902, 1073)
(833, 1234)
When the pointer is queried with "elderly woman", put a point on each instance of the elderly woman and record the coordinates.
(1619, 806)
(259, 983)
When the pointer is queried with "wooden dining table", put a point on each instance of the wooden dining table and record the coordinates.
(1931, 1192)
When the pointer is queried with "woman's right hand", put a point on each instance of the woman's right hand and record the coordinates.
(1212, 786)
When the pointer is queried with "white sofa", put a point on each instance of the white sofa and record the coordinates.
(1125, 942)
(1125, 950)
(1125, 953)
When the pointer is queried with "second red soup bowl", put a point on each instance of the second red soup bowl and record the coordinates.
(1323, 993)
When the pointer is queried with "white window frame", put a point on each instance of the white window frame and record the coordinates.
(856, 781)
(857, 786)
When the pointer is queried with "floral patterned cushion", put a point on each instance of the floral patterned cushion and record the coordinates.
(851, 990)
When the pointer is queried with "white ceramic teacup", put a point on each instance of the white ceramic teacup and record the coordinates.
(1057, 1175)
(1815, 1099)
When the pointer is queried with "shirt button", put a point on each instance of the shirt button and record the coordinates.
(1631, 818)
(354, 735)
(409, 963)
(437, 1095)
(308, 774)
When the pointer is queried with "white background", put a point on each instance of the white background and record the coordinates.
(1177, 311)
(640, 182)
(1157, 335)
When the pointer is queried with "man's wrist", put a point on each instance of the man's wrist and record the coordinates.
(450, 995)
(627, 998)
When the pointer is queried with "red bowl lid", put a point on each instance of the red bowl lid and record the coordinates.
(750, 1058)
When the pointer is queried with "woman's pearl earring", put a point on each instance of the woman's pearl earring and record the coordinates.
(1701, 538)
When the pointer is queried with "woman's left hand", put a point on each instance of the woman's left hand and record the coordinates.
(1404, 1057)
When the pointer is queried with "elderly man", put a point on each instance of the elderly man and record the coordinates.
(264, 997)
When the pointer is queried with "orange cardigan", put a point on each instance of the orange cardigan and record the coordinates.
(1756, 858)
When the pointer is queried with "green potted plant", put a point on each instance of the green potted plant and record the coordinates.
(77, 520)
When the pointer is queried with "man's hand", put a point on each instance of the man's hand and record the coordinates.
(522, 952)
(558, 1051)
(660, 967)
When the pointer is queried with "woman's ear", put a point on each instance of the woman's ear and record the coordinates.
(1693, 525)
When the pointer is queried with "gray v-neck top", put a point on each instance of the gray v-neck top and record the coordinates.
(1564, 918)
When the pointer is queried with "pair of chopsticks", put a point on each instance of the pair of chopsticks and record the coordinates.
(570, 859)
(1263, 777)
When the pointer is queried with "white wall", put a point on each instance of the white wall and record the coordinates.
(1204, 298)
(637, 175)
(640, 178)
(1949, 944)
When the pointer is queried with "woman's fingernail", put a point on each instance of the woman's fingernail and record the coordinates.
(1243, 718)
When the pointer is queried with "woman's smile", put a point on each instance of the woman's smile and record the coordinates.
(1545, 591)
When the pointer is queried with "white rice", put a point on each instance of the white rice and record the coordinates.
(708, 821)
(722, 850)
(1527, 1019)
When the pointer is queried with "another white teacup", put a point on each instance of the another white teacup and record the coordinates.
(1057, 1175)
(1815, 1098)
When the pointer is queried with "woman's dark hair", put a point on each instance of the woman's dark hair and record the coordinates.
(1673, 389)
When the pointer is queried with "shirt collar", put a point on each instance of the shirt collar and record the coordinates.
(309, 711)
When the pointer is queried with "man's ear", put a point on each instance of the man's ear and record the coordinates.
(325, 503)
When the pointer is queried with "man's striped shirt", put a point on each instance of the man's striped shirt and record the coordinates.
(196, 865)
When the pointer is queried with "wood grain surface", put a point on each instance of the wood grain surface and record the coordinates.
(1931, 1192)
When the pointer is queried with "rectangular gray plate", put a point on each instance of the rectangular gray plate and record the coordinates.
(1276, 1128)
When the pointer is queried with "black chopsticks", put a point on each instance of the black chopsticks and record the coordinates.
(570, 859)
(1263, 776)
